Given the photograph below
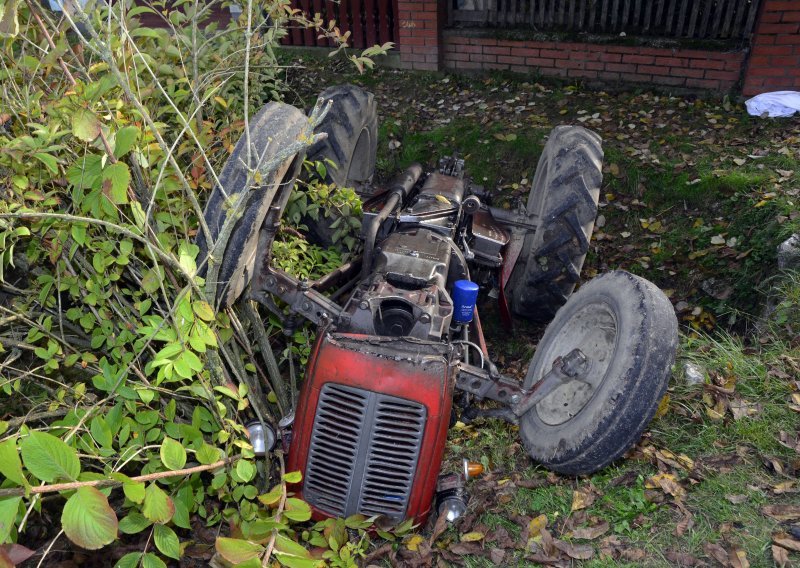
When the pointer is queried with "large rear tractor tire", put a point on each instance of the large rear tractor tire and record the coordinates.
(628, 330)
(272, 129)
(563, 202)
(348, 152)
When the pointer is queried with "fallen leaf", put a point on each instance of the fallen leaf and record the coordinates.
(716, 552)
(497, 555)
(590, 533)
(414, 541)
(472, 536)
(738, 558)
(782, 512)
(786, 541)
(576, 551)
(582, 498)
(780, 556)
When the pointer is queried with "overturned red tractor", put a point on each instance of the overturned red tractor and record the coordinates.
(398, 330)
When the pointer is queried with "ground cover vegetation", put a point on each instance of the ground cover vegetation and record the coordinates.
(125, 391)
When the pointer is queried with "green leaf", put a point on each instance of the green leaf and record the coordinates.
(245, 470)
(8, 516)
(203, 310)
(85, 125)
(49, 458)
(207, 454)
(88, 520)
(285, 545)
(134, 491)
(9, 24)
(116, 178)
(158, 507)
(126, 138)
(135, 522)
(150, 560)
(101, 432)
(130, 560)
(297, 510)
(48, 160)
(272, 497)
(10, 464)
(236, 550)
(167, 541)
(173, 455)
(293, 477)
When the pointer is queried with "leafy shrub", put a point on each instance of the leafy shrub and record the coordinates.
(116, 367)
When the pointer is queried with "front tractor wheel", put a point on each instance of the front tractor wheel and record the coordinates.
(628, 330)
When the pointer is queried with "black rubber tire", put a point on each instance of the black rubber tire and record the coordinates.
(351, 146)
(272, 129)
(627, 388)
(563, 201)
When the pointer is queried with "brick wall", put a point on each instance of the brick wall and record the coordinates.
(774, 63)
(597, 63)
(418, 34)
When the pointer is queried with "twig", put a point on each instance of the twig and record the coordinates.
(56, 487)
(281, 507)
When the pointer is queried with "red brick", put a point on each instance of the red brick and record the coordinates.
(622, 49)
(425, 16)
(471, 49)
(780, 5)
(733, 65)
(794, 72)
(636, 78)
(483, 58)
(495, 66)
(510, 59)
(686, 72)
(706, 64)
(413, 40)
(723, 75)
(791, 16)
(670, 81)
(497, 50)
(582, 73)
(779, 28)
(539, 62)
(791, 61)
(456, 56)
(552, 72)
(611, 57)
(595, 65)
(427, 50)
(702, 83)
(485, 41)
(655, 51)
(654, 70)
(524, 52)
(555, 54)
(622, 67)
(766, 72)
(571, 63)
(670, 61)
(468, 65)
(759, 61)
(770, 17)
(520, 69)
(787, 39)
(771, 50)
(608, 76)
(457, 40)
(644, 59)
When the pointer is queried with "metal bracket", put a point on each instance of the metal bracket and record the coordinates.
(301, 298)
(573, 366)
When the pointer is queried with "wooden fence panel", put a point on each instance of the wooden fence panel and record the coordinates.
(692, 19)
(368, 21)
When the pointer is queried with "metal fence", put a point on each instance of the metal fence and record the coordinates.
(695, 19)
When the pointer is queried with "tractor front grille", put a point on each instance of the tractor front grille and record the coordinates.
(363, 453)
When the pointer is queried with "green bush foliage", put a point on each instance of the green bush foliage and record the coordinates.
(127, 389)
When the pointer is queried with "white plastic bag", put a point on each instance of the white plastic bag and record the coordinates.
(777, 103)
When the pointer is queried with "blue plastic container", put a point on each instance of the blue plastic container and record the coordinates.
(465, 294)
